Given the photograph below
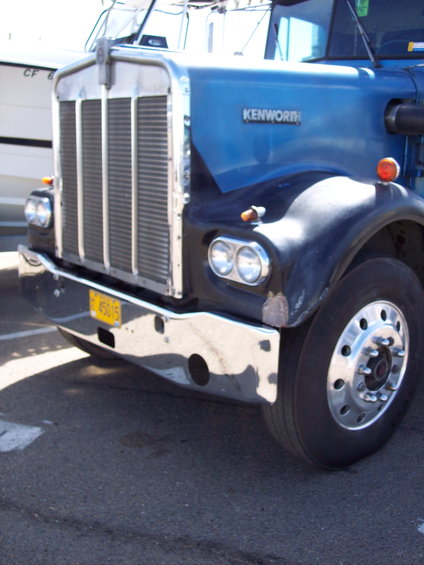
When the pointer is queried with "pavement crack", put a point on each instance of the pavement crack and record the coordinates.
(215, 551)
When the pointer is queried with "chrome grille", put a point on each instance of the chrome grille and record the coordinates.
(115, 179)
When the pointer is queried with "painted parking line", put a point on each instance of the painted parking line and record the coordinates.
(27, 333)
(16, 370)
(14, 437)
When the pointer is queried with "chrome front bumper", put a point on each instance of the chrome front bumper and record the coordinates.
(236, 360)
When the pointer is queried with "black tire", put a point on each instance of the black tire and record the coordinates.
(87, 346)
(347, 377)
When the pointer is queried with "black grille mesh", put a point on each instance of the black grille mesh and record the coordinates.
(119, 158)
(69, 176)
(153, 238)
(92, 179)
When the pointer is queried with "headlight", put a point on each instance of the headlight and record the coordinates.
(221, 258)
(238, 260)
(248, 264)
(38, 211)
(30, 210)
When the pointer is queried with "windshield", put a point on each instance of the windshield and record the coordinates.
(233, 27)
(299, 32)
(285, 30)
(395, 29)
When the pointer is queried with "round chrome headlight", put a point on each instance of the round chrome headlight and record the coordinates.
(30, 211)
(221, 258)
(44, 212)
(248, 264)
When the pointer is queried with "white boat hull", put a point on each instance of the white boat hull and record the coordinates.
(26, 154)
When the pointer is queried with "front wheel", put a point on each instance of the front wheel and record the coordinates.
(348, 376)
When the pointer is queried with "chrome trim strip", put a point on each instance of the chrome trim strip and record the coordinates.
(80, 181)
(180, 177)
(90, 59)
(105, 178)
(57, 184)
(134, 187)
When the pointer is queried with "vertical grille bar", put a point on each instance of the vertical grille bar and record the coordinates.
(80, 183)
(134, 185)
(105, 178)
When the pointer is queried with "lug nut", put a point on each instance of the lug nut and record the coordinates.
(398, 352)
(382, 397)
(368, 397)
(391, 387)
(370, 352)
(383, 341)
(364, 370)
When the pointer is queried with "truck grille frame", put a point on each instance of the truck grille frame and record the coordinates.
(122, 170)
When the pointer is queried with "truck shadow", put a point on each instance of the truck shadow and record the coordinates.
(130, 453)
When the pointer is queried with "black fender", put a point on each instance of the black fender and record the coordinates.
(322, 229)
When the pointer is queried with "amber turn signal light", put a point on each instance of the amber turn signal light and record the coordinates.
(253, 214)
(249, 215)
(388, 169)
(47, 180)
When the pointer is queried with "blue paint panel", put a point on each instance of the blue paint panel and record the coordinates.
(342, 124)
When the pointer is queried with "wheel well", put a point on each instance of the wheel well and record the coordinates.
(403, 240)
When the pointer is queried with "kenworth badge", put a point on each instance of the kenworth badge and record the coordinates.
(268, 116)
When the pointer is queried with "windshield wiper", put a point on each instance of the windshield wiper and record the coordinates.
(277, 41)
(139, 34)
(364, 35)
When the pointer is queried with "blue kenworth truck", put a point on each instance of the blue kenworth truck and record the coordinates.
(237, 206)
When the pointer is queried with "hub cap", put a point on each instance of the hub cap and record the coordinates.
(368, 365)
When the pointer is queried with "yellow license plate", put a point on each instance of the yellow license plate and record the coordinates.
(105, 308)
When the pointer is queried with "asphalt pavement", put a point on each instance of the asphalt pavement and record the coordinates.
(102, 463)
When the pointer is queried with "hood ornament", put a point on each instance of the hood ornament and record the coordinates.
(103, 48)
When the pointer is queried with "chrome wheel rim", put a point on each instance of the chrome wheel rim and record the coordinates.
(368, 365)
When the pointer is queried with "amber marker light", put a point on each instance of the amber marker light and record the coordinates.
(249, 215)
(47, 180)
(388, 169)
(253, 214)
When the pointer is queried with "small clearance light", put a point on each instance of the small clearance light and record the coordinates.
(47, 180)
(388, 169)
(253, 214)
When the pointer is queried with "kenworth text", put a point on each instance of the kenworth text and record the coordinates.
(237, 206)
